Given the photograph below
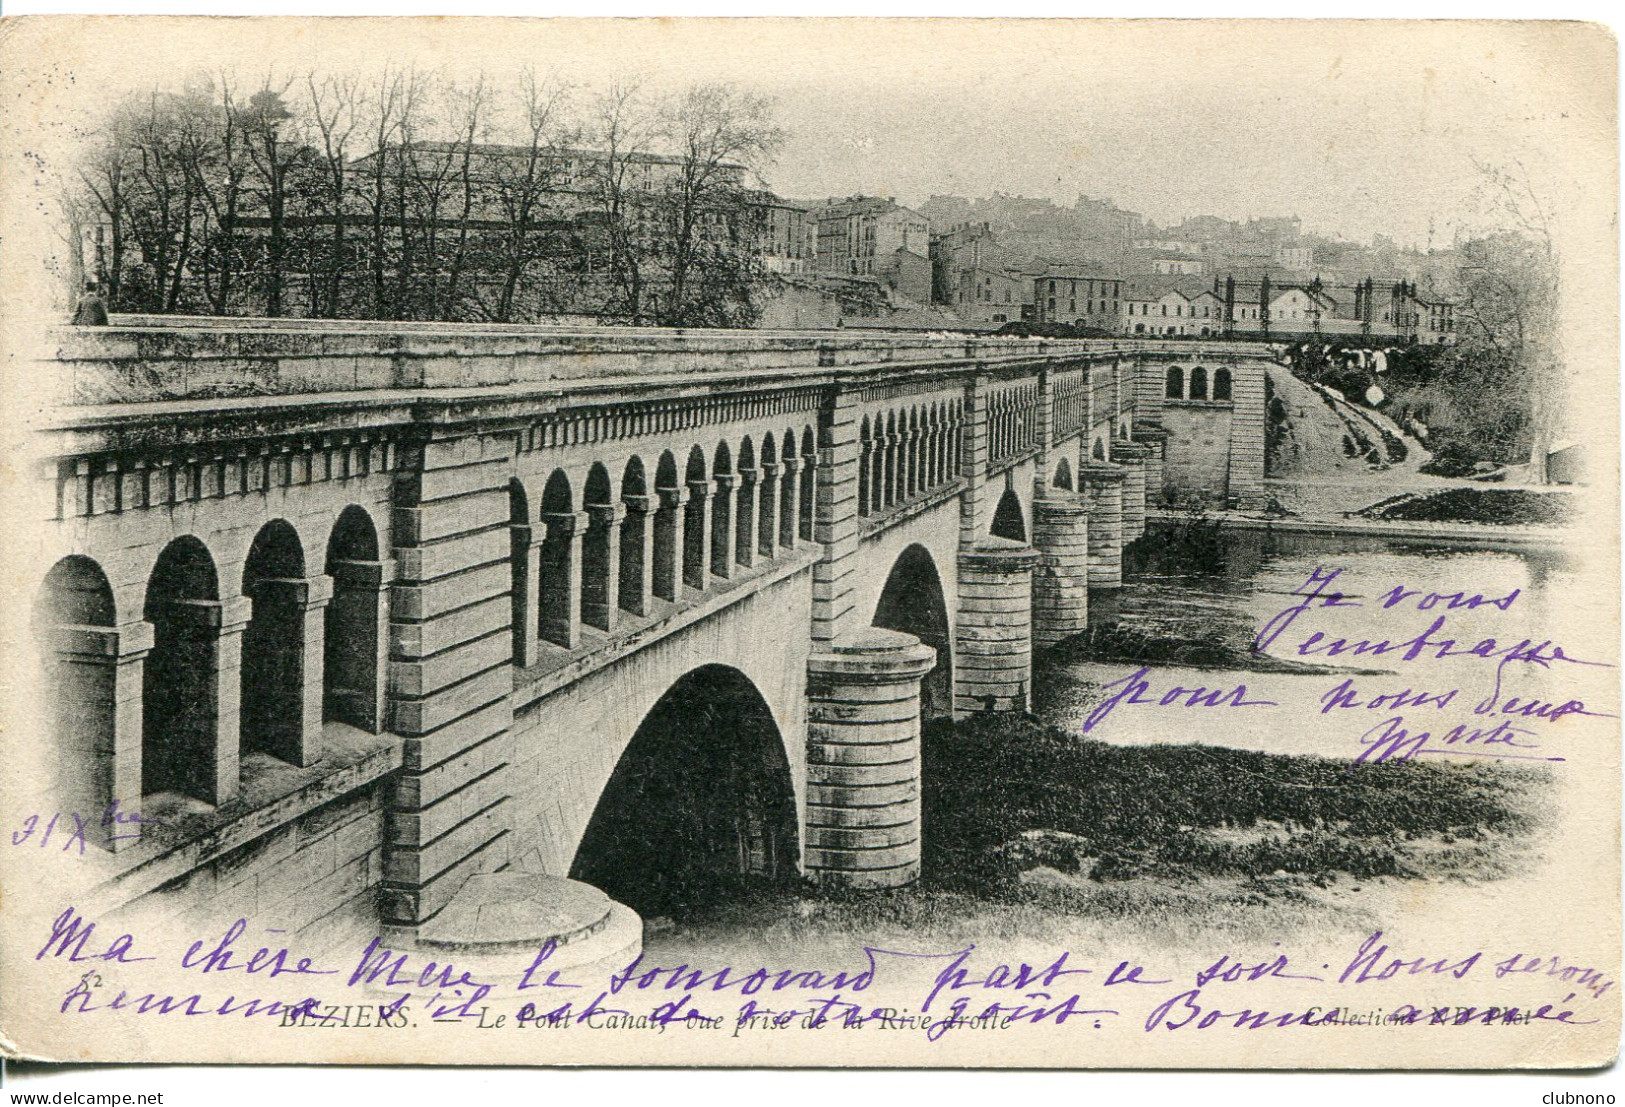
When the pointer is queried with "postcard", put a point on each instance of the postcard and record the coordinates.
(823, 542)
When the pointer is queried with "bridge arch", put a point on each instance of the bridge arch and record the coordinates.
(351, 638)
(79, 686)
(75, 592)
(667, 559)
(722, 478)
(767, 500)
(695, 558)
(633, 568)
(519, 539)
(913, 602)
(701, 804)
(1174, 383)
(1199, 383)
(179, 699)
(1221, 383)
(597, 590)
(559, 565)
(809, 467)
(745, 507)
(789, 491)
(273, 678)
(865, 467)
(916, 450)
(1063, 475)
(1009, 520)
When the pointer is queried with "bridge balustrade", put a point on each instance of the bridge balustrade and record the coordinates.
(635, 551)
(906, 454)
(553, 503)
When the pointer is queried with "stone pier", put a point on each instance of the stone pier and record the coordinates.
(1061, 576)
(1133, 456)
(863, 761)
(994, 670)
(1103, 491)
(1154, 439)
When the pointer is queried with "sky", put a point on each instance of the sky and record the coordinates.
(1358, 128)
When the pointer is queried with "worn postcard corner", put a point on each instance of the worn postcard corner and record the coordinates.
(810, 542)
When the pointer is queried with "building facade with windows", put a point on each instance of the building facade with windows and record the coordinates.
(874, 236)
(1083, 297)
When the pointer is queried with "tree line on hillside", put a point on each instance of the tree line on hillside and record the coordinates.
(1496, 396)
(410, 195)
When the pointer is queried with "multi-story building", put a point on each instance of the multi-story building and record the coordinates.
(1176, 264)
(1298, 258)
(1207, 313)
(568, 182)
(978, 279)
(1170, 305)
(1085, 296)
(875, 236)
(1438, 325)
(1368, 308)
(1301, 309)
(788, 237)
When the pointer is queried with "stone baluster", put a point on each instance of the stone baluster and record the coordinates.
(697, 536)
(722, 551)
(767, 522)
(790, 515)
(745, 518)
(98, 724)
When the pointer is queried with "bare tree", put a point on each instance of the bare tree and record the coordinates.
(161, 202)
(106, 173)
(1507, 289)
(521, 186)
(711, 216)
(389, 104)
(274, 155)
(469, 106)
(216, 154)
(335, 108)
(618, 174)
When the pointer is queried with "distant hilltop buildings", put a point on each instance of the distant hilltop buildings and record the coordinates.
(1100, 269)
(457, 230)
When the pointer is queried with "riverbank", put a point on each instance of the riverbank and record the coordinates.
(1462, 535)
(1033, 834)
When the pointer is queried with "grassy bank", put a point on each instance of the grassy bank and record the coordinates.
(1006, 797)
(1035, 835)
(1494, 506)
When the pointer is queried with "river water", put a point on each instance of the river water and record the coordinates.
(1196, 599)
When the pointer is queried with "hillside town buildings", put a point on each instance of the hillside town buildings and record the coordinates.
(447, 230)
(874, 236)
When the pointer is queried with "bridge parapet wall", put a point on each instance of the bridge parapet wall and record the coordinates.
(487, 593)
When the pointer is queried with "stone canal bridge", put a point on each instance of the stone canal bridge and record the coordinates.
(352, 613)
